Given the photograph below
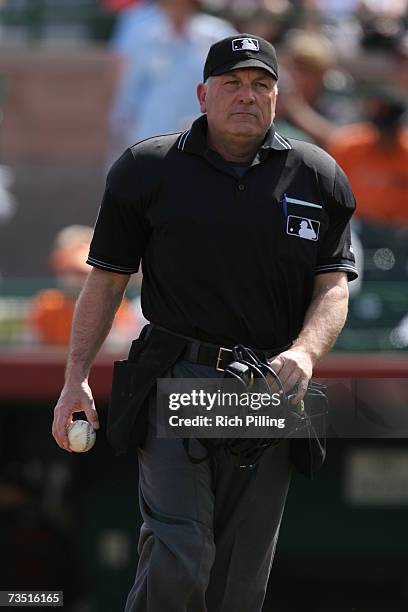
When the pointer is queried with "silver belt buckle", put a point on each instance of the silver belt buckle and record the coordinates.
(219, 358)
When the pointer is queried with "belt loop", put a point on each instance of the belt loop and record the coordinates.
(194, 351)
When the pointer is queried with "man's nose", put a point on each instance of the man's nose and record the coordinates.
(246, 94)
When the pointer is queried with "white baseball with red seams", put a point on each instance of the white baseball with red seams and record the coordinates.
(81, 436)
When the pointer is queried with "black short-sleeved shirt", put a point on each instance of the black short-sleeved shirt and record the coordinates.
(226, 259)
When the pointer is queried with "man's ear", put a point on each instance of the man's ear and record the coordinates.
(201, 95)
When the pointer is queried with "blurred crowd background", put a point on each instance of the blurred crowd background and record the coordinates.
(79, 81)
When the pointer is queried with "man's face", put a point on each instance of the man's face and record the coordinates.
(239, 103)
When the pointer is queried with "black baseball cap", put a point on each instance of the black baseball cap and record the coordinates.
(240, 51)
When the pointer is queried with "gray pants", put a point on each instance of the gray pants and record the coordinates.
(210, 529)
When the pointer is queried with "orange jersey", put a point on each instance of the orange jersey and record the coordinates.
(51, 317)
(378, 174)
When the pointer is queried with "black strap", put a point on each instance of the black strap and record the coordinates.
(213, 355)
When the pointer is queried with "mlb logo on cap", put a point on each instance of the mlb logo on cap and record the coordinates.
(245, 44)
(302, 227)
(241, 51)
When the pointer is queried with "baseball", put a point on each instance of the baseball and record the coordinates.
(81, 436)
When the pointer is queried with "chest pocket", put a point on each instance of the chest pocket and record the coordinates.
(304, 220)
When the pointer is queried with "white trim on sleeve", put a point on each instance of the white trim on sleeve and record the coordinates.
(109, 266)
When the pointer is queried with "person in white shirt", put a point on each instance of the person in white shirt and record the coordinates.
(163, 46)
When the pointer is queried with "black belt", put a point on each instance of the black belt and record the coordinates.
(212, 355)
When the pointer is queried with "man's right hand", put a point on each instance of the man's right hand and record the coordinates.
(94, 312)
(75, 397)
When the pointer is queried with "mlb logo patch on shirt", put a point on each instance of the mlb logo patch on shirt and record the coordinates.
(302, 227)
(245, 44)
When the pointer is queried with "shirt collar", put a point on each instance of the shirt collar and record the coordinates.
(273, 140)
(194, 140)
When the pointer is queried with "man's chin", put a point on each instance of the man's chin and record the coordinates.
(245, 131)
(244, 119)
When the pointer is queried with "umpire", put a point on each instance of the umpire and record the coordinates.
(244, 238)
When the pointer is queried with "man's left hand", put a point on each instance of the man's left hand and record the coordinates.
(294, 368)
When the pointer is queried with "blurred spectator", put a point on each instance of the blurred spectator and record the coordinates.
(163, 44)
(333, 9)
(267, 18)
(308, 56)
(381, 32)
(374, 155)
(131, 19)
(302, 112)
(51, 311)
(391, 8)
